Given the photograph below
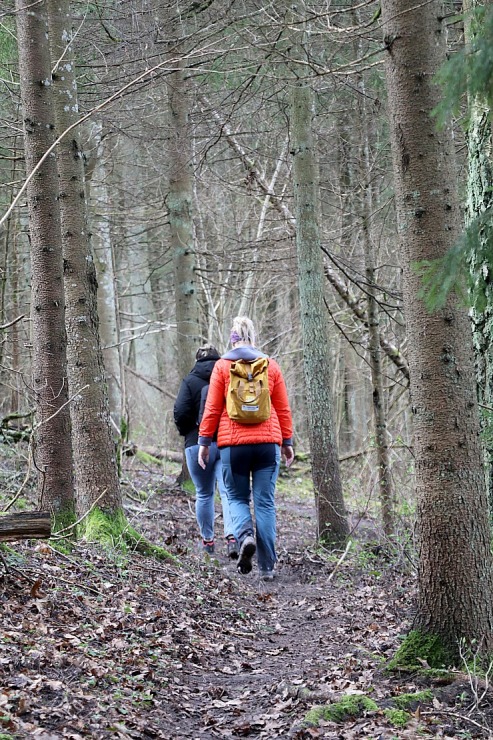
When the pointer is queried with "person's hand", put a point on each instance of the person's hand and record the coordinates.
(203, 456)
(288, 454)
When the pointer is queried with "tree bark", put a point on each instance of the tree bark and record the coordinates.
(179, 202)
(374, 349)
(95, 465)
(99, 187)
(52, 451)
(455, 562)
(480, 198)
(332, 524)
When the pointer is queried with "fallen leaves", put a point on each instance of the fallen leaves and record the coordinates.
(95, 648)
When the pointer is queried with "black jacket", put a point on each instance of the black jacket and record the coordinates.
(187, 405)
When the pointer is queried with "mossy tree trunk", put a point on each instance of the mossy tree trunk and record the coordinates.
(95, 464)
(332, 524)
(479, 199)
(455, 562)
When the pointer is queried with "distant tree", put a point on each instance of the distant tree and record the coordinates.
(331, 513)
(454, 543)
(179, 202)
(52, 451)
(373, 311)
(98, 183)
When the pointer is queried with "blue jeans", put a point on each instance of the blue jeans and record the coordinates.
(205, 486)
(255, 467)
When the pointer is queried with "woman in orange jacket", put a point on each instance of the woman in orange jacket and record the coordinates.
(250, 453)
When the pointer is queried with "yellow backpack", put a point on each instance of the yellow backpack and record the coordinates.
(248, 398)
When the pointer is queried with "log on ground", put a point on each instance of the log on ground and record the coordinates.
(25, 526)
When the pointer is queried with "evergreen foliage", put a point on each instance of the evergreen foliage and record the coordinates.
(467, 74)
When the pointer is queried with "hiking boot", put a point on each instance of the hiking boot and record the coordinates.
(247, 551)
(208, 546)
(232, 548)
(267, 575)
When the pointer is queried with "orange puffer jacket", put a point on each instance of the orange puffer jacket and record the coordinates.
(278, 428)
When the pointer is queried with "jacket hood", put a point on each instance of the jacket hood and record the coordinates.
(243, 353)
(203, 369)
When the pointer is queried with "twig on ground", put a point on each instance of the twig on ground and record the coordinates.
(337, 565)
(4, 563)
(24, 482)
(464, 717)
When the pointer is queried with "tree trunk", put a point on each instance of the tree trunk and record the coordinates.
(96, 473)
(180, 218)
(332, 522)
(455, 562)
(103, 250)
(378, 398)
(52, 451)
(479, 199)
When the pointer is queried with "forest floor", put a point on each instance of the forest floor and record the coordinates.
(108, 644)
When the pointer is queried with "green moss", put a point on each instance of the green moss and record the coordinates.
(64, 546)
(405, 701)
(188, 486)
(11, 555)
(346, 708)
(113, 530)
(438, 674)
(397, 717)
(63, 522)
(420, 646)
(148, 459)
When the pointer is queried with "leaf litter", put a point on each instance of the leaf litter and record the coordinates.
(110, 645)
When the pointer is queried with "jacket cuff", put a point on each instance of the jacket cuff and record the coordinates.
(206, 441)
(287, 442)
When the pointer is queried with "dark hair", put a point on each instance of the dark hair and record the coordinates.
(207, 352)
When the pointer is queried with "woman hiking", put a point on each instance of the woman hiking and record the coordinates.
(250, 452)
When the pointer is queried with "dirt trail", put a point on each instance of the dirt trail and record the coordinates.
(133, 648)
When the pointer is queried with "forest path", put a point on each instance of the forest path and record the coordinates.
(101, 645)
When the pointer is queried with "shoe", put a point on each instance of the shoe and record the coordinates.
(267, 575)
(208, 546)
(232, 548)
(247, 551)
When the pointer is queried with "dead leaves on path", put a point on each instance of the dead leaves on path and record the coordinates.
(130, 648)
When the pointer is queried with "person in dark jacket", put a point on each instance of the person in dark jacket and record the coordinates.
(187, 412)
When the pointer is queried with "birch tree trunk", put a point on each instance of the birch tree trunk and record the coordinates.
(455, 562)
(332, 522)
(52, 451)
(96, 474)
